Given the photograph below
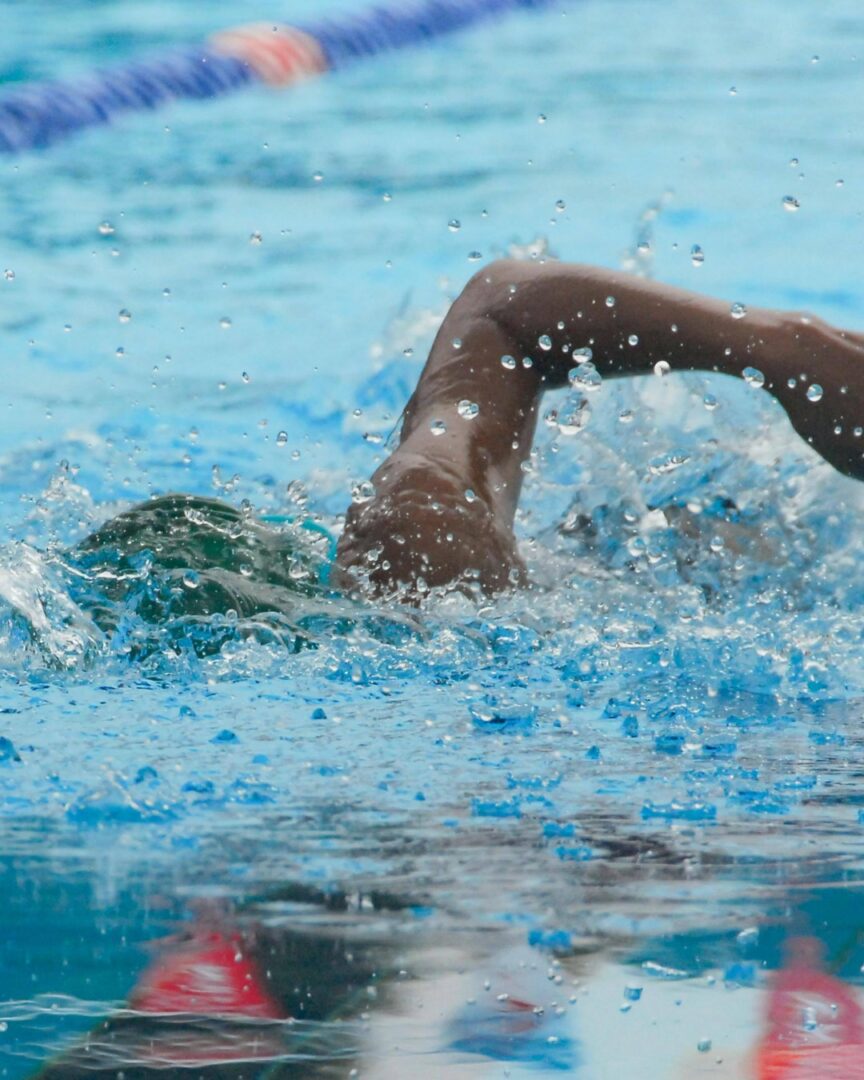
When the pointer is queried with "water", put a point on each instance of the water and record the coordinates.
(641, 773)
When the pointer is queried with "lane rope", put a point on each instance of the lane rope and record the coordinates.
(37, 115)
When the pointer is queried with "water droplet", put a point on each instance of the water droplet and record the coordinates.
(838, 183)
(814, 392)
(541, 119)
(697, 255)
(470, 496)
(527, 362)
(256, 239)
(475, 256)
(467, 409)
(753, 377)
(809, 1018)
(610, 301)
(738, 311)
(747, 938)
(246, 377)
(456, 343)
(790, 203)
(225, 323)
(560, 206)
(437, 427)
(9, 275)
(191, 579)
(710, 402)
(793, 163)
(545, 342)
(454, 225)
(508, 362)
(106, 229)
(633, 339)
(626, 416)
(363, 492)
(667, 463)
(582, 356)
(282, 438)
(661, 368)
(166, 292)
(574, 417)
(586, 378)
(318, 177)
(703, 1046)
(124, 315)
(632, 992)
(119, 352)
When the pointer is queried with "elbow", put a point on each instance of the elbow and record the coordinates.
(529, 300)
(491, 290)
(496, 295)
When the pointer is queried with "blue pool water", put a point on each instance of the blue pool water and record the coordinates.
(612, 797)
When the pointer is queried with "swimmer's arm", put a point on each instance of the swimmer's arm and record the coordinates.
(445, 498)
(631, 325)
(424, 524)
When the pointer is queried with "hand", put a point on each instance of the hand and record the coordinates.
(818, 377)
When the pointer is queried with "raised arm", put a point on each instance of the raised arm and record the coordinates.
(445, 499)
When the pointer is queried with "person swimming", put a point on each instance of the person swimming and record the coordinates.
(445, 499)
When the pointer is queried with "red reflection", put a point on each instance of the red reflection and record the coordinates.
(815, 1025)
(207, 976)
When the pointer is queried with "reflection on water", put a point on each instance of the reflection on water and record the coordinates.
(290, 980)
(814, 1022)
(302, 983)
(567, 832)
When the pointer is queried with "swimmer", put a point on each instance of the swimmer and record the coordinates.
(445, 499)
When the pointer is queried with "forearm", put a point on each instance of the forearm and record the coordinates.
(559, 314)
(445, 499)
(630, 326)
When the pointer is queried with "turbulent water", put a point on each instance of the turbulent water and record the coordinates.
(690, 638)
(642, 767)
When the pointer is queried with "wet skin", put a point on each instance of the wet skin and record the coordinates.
(422, 530)
(445, 499)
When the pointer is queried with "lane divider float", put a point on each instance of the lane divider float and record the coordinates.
(36, 115)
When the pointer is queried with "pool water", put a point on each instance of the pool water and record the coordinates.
(572, 829)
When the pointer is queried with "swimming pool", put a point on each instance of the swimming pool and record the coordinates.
(614, 796)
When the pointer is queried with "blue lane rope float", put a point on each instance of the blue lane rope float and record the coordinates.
(40, 114)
